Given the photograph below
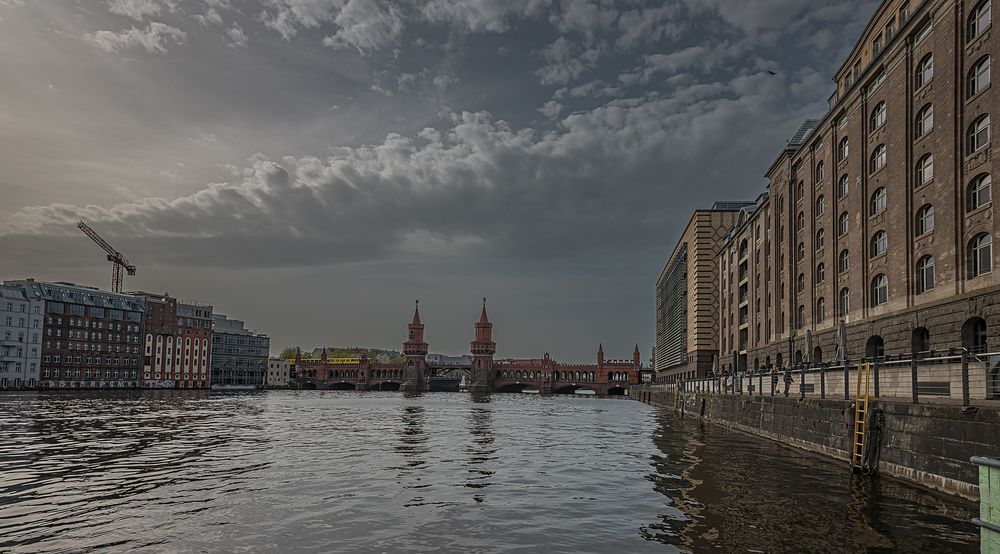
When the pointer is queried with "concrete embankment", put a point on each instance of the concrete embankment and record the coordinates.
(928, 444)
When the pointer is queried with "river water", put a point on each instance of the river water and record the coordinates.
(287, 471)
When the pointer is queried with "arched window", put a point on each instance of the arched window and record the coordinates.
(820, 272)
(925, 71)
(820, 310)
(980, 191)
(974, 335)
(820, 205)
(743, 249)
(979, 20)
(979, 76)
(843, 223)
(875, 347)
(879, 201)
(925, 219)
(800, 222)
(801, 252)
(980, 255)
(801, 321)
(920, 340)
(925, 274)
(880, 243)
(878, 158)
(878, 115)
(843, 186)
(802, 283)
(844, 149)
(979, 134)
(845, 301)
(817, 355)
(820, 239)
(925, 120)
(819, 171)
(800, 191)
(843, 261)
(880, 290)
(925, 170)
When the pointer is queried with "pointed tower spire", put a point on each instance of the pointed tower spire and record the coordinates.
(635, 356)
(483, 318)
(416, 314)
(600, 355)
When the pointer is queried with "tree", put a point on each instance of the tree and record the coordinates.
(288, 353)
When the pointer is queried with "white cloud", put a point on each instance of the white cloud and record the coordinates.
(482, 15)
(140, 9)
(235, 37)
(648, 26)
(366, 25)
(565, 62)
(153, 38)
(551, 109)
(445, 82)
(286, 16)
(589, 17)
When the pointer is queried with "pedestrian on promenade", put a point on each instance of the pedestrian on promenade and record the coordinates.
(774, 379)
(788, 380)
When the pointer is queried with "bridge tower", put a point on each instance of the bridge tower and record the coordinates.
(415, 356)
(483, 349)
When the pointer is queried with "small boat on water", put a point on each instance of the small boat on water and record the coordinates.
(584, 392)
(462, 385)
(530, 391)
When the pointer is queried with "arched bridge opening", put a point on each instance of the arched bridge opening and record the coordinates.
(342, 386)
(616, 391)
(385, 386)
(517, 387)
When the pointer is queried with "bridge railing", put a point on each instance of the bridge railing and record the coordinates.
(951, 376)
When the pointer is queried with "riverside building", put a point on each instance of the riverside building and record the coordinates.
(21, 323)
(90, 337)
(238, 356)
(177, 339)
(880, 214)
(687, 296)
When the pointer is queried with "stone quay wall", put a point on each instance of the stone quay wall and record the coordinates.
(926, 444)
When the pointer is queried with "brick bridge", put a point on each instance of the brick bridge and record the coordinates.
(483, 374)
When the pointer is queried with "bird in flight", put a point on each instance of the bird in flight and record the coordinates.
(771, 73)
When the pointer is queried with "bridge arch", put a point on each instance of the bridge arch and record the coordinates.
(342, 386)
(514, 387)
(385, 386)
(616, 391)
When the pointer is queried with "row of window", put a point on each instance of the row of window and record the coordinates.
(980, 263)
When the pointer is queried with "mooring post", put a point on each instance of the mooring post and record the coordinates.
(802, 383)
(913, 379)
(847, 381)
(822, 381)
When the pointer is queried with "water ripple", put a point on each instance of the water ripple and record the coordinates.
(382, 472)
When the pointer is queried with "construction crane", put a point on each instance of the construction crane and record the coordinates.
(117, 259)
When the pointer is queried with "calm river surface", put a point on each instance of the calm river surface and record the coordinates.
(288, 471)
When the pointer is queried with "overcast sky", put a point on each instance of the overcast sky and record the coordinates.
(313, 166)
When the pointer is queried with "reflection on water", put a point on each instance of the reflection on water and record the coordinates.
(384, 472)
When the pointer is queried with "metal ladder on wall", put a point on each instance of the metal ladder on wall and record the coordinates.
(860, 417)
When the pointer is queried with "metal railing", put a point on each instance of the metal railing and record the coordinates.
(924, 377)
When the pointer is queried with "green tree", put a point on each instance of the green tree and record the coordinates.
(288, 353)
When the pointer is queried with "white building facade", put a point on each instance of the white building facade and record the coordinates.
(278, 373)
(21, 323)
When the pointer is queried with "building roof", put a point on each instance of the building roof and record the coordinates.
(78, 294)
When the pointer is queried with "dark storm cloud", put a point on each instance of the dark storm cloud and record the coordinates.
(244, 136)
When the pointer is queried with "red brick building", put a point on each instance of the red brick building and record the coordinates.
(177, 342)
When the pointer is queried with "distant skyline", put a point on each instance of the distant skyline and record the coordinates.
(313, 166)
